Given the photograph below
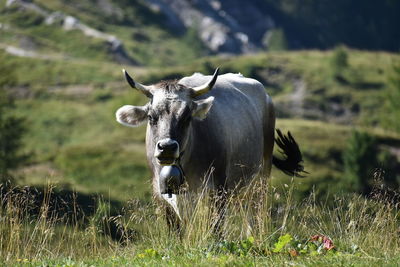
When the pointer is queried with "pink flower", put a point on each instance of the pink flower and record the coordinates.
(326, 242)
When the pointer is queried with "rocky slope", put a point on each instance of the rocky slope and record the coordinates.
(66, 22)
(128, 29)
(223, 26)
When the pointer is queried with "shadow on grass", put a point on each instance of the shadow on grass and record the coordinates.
(67, 207)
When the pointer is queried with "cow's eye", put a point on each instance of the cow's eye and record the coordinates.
(152, 119)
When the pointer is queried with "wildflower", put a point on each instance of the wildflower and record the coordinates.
(326, 242)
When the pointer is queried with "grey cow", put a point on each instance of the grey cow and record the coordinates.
(215, 127)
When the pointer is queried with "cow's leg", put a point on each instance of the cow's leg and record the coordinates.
(173, 221)
(219, 207)
(269, 137)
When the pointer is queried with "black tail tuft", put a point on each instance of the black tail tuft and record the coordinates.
(291, 164)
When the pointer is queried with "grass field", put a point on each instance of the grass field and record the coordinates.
(262, 228)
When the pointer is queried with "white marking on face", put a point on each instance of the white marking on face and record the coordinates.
(161, 96)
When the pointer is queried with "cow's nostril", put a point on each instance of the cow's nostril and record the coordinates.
(159, 146)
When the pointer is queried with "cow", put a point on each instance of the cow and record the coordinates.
(220, 128)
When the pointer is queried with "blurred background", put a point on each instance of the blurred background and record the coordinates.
(331, 67)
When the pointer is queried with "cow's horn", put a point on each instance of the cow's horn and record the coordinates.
(202, 89)
(142, 88)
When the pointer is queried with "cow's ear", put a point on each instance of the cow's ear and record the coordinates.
(202, 107)
(131, 116)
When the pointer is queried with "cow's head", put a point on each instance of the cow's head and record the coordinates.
(170, 112)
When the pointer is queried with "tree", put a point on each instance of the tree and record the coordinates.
(11, 127)
(360, 159)
(339, 61)
(276, 40)
(392, 103)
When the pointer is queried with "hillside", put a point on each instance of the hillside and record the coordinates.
(74, 30)
(178, 31)
(81, 133)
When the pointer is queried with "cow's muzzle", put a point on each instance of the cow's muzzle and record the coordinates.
(171, 178)
(167, 151)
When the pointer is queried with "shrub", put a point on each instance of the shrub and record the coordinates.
(11, 127)
(339, 60)
(276, 40)
(392, 103)
(360, 159)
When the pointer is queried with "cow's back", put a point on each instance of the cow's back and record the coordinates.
(230, 141)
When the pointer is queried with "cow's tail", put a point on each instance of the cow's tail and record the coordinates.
(291, 163)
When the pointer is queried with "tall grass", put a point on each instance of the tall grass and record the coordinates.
(256, 218)
(29, 231)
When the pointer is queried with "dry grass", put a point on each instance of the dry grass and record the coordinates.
(368, 228)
